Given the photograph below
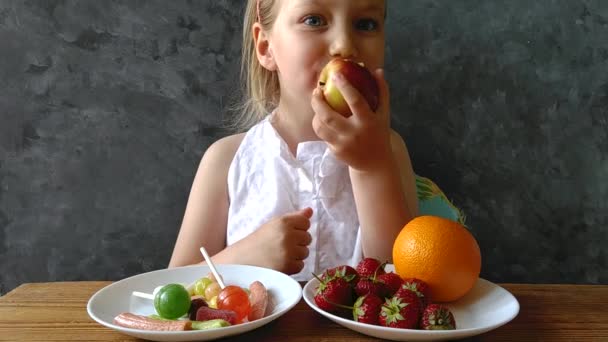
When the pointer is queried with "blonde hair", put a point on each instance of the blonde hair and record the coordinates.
(261, 86)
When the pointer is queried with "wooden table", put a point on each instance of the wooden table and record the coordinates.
(57, 312)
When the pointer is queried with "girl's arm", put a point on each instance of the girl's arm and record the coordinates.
(206, 215)
(408, 177)
(280, 244)
(386, 200)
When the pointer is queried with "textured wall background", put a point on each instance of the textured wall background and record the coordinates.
(107, 107)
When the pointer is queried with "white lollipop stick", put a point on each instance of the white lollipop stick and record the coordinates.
(212, 267)
(146, 295)
(143, 295)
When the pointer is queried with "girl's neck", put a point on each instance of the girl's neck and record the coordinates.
(294, 126)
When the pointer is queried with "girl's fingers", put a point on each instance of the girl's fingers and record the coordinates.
(383, 90)
(304, 238)
(294, 266)
(326, 123)
(307, 212)
(357, 103)
(300, 253)
(296, 221)
(324, 132)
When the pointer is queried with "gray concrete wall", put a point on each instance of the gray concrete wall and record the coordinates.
(107, 107)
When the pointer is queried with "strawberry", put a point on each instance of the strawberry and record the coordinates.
(419, 287)
(369, 267)
(370, 285)
(332, 293)
(367, 309)
(398, 312)
(344, 271)
(393, 282)
(437, 317)
(409, 296)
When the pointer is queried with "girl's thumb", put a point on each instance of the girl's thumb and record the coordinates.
(306, 212)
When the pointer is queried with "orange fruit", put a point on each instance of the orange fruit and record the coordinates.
(440, 252)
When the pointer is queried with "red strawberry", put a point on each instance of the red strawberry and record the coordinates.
(437, 317)
(334, 292)
(369, 267)
(367, 309)
(344, 271)
(409, 296)
(398, 312)
(419, 287)
(393, 282)
(370, 285)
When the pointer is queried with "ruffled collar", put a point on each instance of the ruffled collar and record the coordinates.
(330, 170)
(305, 150)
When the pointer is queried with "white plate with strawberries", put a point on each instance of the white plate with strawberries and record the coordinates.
(485, 307)
(117, 298)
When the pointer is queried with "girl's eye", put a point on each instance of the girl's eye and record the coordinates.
(366, 24)
(314, 20)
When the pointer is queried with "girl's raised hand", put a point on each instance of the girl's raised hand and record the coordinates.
(280, 244)
(362, 140)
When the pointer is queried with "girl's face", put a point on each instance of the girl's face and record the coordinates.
(309, 33)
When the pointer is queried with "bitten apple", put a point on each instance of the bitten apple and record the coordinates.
(357, 75)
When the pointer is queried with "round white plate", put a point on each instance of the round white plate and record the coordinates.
(487, 306)
(283, 292)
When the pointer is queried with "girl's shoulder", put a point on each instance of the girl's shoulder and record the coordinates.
(229, 143)
(221, 152)
(397, 142)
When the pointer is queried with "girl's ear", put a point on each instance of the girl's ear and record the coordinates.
(262, 48)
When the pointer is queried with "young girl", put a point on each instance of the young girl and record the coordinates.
(305, 188)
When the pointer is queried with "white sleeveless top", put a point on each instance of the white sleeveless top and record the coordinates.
(265, 181)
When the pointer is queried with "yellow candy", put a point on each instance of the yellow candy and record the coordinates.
(213, 302)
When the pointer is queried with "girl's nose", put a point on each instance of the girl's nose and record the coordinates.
(343, 44)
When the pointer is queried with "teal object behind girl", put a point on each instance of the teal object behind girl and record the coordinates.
(433, 201)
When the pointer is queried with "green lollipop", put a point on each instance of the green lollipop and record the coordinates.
(172, 301)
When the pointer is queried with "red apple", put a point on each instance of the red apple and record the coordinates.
(357, 75)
